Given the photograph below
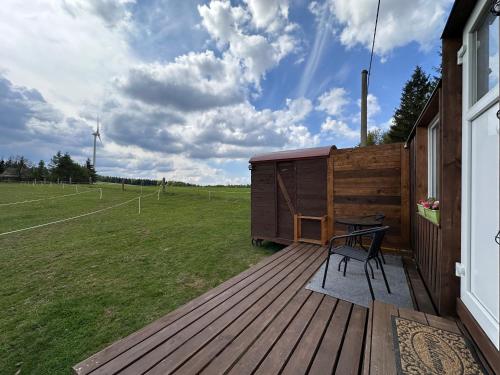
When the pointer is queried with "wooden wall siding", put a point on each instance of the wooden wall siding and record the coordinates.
(450, 166)
(427, 253)
(285, 217)
(421, 139)
(413, 194)
(374, 179)
(263, 200)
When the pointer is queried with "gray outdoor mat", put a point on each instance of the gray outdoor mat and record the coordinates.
(354, 287)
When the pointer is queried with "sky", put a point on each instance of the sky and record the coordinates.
(190, 90)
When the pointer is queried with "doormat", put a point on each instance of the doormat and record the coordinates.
(421, 349)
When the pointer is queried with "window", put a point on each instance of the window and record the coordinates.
(486, 56)
(432, 159)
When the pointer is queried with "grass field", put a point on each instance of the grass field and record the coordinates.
(69, 289)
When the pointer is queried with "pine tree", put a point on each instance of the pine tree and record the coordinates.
(90, 169)
(2, 165)
(416, 92)
(41, 171)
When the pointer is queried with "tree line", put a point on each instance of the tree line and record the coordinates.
(60, 168)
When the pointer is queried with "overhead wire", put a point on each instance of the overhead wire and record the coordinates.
(373, 44)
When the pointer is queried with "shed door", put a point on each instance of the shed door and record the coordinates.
(479, 288)
(263, 201)
(286, 197)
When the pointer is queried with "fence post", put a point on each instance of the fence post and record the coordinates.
(158, 194)
(100, 190)
(139, 204)
(123, 185)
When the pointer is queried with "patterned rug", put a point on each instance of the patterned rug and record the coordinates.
(421, 349)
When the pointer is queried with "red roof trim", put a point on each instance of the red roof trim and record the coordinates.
(304, 153)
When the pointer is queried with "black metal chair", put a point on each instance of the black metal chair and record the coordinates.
(379, 216)
(360, 255)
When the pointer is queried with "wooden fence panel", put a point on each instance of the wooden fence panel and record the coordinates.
(374, 179)
(427, 255)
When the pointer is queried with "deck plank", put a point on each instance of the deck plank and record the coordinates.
(331, 344)
(417, 286)
(304, 352)
(352, 348)
(258, 350)
(382, 359)
(165, 342)
(230, 286)
(417, 316)
(283, 348)
(225, 349)
(443, 323)
(223, 334)
(265, 321)
(368, 343)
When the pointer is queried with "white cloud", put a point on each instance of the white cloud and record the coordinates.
(69, 57)
(241, 130)
(332, 129)
(324, 24)
(231, 27)
(400, 22)
(114, 13)
(196, 81)
(268, 14)
(333, 102)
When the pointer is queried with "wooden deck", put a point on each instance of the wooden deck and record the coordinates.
(262, 321)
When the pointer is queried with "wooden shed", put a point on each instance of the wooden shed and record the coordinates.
(297, 195)
(292, 195)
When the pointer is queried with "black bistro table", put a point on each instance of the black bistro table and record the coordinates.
(357, 223)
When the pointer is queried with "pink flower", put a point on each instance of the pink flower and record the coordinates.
(435, 205)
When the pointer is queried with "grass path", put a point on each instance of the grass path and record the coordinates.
(69, 289)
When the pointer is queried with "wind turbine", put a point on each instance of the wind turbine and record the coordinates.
(96, 135)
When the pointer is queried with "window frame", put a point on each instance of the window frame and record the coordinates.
(433, 158)
(474, 63)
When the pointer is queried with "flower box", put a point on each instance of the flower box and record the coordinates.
(432, 215)
(421, 209)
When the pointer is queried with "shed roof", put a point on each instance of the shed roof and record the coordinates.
(9, 172)
(304, 153)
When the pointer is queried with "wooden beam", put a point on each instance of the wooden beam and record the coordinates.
(282, 186)
(329, 198)
(296, 228)
(405, 197)
(450, 167)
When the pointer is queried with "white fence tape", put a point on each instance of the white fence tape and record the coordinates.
(78, 216)
(46, 198)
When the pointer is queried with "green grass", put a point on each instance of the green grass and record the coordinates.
(68, 290)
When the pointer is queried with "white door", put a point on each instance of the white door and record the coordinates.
(479, 289)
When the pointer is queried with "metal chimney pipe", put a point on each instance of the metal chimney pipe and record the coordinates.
(364, 107)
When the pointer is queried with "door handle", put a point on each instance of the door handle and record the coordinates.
(497, 238)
